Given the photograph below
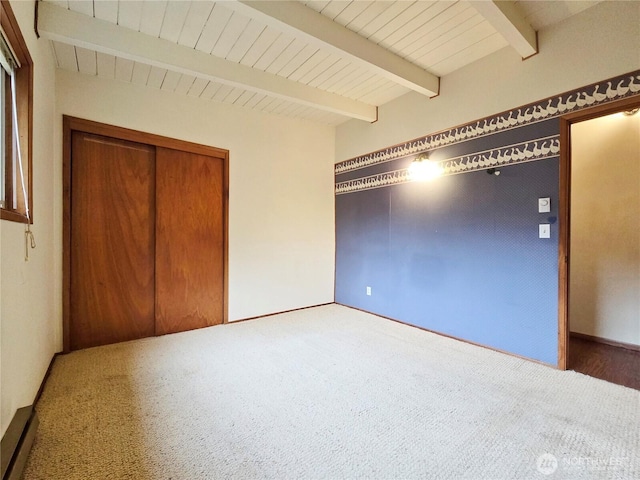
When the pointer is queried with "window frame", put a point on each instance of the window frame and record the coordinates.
(24, 101)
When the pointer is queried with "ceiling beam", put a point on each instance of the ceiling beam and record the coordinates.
(506, 18)
(321, 31)
(66, 26)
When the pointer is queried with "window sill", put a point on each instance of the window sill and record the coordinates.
(13, 216)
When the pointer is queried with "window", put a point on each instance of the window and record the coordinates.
(16, 120)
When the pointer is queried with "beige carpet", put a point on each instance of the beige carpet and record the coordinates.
(326, 392)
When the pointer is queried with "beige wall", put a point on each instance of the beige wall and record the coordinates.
(29, 310)
(281, 217)
(599, 43)
(605, 228)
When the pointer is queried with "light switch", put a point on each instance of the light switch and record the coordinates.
(544, 230)
(544, 205)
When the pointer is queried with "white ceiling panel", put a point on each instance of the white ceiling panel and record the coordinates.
(185, 84)
(86, 61)
(197, 87)
(124, 69)
(140, 73)
(151, 17)
(439, 37)
(156, 77)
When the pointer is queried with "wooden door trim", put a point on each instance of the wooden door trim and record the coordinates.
(564, 206)
(71, 124)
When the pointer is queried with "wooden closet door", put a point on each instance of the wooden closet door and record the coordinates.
(112, 241)
(189, 241)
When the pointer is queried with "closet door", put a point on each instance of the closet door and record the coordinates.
(112, 241)
(189, 241)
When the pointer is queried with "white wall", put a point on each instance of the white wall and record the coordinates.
(281, 215)
(29, 311)
(600, 42)
(605, 228)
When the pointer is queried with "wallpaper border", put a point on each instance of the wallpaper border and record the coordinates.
(599, 93)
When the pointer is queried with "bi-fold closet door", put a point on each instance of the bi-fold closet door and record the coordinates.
(147, 240)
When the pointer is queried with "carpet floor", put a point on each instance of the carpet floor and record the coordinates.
(326, 393)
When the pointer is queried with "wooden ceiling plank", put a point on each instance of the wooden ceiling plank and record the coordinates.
(174, 19)
(106, 65)
(309, 65)
(86, 61)
(329, 72)
(170, 81)
(129, 14)
(124, 69)
(185, 83)
(459, 43)
(244, 98)
(234, 95)
(213, 29)
(275, 50)
(334, 8)
(253, 101)
(377, 23)
(412, 41)
(398, 24)
(198, 87)
(447, 33)
(260, 46)
(222, 93)
(58, 24)
(305, 54)
(194, 23)
(415, 24)
(66, 56)
(210, 90)
(242, 44)
(106, 10)
(156, 77)
(289, 53)
(324, 33)
(352, 11)
(474, 52)
(508, 20)
(233, 30)
(329, 61)
(140, 74)
(152, 17)
(368, 15)
(81, 6)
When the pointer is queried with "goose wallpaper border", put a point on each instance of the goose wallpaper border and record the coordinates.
(438, 144)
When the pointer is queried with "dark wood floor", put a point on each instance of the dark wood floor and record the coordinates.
(613, 364)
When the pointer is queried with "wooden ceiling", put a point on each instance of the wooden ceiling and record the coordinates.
(325, 61)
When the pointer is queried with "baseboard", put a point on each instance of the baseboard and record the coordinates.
(606, 341)
(17, 442)
(455, 338)
(45, 378)
(18, 439)
(278, 313)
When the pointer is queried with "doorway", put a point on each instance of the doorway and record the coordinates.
(600, 245)
(145, 235)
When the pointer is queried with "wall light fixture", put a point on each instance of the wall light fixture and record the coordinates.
(422, 169)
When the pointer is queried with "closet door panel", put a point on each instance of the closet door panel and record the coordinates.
(112, 241)
(189, 241)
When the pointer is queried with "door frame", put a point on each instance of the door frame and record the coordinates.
(71, 124)
(564, 209)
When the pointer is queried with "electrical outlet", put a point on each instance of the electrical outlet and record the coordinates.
(369, 291)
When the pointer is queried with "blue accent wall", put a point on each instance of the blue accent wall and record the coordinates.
(460, 255)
